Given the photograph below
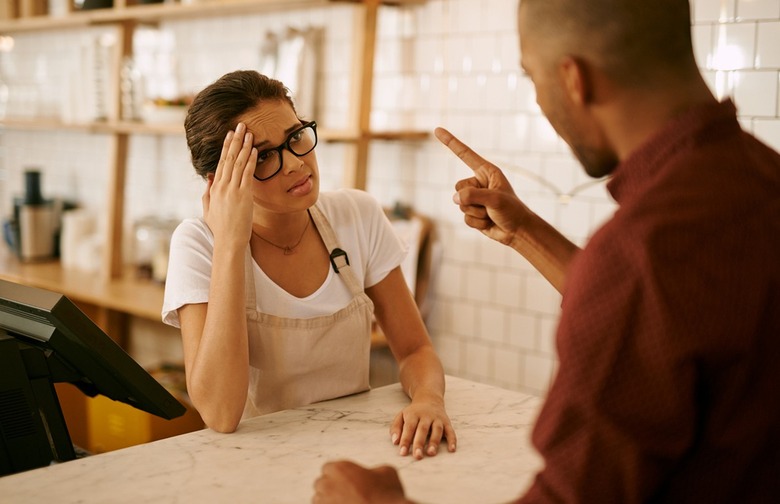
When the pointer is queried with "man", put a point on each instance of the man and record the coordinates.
(669, 337)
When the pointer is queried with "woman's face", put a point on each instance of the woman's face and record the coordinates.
(296, 187)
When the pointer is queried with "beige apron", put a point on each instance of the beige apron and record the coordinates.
(294, 362)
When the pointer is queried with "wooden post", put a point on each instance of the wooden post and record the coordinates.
(362, 84)
(113, 262)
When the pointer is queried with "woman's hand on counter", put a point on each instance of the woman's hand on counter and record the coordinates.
(345, 482)
(419, 428)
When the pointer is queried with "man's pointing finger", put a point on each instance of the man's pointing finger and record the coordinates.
(464, 152)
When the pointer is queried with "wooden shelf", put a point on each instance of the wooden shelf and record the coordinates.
(148, 13)
(137, 297)
(142, 128)
(151, 13)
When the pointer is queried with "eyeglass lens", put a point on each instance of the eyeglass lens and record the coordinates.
(300, 143)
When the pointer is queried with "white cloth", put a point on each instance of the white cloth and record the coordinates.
(360, 226)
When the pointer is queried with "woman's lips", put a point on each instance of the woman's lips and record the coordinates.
(302, 187)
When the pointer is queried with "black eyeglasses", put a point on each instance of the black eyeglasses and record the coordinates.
(300, 142)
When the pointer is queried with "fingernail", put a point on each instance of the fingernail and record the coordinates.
(431, 450)
(394, 438)
(418, 453)
(452, 447)
(240, 128)
(247, 138)
(456, 198)
(229, 134)
(404, 451)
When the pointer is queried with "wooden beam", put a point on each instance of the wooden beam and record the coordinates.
(363, 78)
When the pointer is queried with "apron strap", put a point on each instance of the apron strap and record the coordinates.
(338, 257)
(249, 280)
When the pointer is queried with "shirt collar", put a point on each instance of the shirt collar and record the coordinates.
(638, 168)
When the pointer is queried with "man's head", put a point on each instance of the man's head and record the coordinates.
(580, 53)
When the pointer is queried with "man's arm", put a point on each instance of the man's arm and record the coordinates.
(490, 205)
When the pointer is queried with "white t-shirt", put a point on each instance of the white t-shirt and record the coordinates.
(360, 226)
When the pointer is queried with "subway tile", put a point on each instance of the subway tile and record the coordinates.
(455, 53)
(508, 51)
(524, 331)
(545, 206)
(756, 94)
(470, 94)
(387, 58)
(537, 372)
(461, 245)
(702, 44)
(542, 137)
(466, 16)
(479, 284)
(513, 131)
(768, 45)
(500, 16)
(478, 360)
(449, 281)
(574, 218)
(713, 10)
(601, 212)
(429, 54)
(758, 9)
(541, 296)
(562, 172)
(768, 131)
(509, 288)
(449, 348)
(491, 324)
(507, 365)
(548, 327)
(434, 17)
(462, 318)
(733, 46)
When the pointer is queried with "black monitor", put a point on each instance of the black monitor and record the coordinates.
(46, 339)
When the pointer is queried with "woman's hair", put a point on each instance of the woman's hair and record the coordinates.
(217, 108)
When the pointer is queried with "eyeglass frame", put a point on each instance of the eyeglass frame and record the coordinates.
(286, 145)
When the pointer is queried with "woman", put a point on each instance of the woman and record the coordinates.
(275, 287)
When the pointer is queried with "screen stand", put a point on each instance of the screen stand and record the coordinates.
(33, 432)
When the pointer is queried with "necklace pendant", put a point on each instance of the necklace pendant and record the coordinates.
(288, 251)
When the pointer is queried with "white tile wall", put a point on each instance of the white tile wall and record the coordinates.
(448, 62)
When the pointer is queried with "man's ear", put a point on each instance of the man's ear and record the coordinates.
(576, 80)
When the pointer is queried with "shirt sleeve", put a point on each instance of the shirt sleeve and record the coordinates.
(385, 249)
(621, 411)
(189, 268)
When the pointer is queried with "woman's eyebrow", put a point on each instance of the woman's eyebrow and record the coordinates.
(287, 132)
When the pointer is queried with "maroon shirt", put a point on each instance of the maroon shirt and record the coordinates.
(668, 388)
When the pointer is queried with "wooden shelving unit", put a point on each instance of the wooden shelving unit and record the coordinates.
(114, 294)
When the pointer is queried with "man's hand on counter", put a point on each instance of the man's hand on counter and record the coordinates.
(345, 482)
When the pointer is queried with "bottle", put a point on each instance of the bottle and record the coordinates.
(132, 90)
(36, 221)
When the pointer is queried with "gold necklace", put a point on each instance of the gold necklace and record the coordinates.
(290, 248)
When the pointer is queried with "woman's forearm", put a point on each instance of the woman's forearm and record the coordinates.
(220, 368)
(422, 375)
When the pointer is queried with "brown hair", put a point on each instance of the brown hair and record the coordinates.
(216, 109)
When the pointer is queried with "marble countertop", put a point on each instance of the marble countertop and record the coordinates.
(276, 458)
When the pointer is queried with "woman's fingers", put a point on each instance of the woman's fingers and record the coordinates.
(236, 150)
